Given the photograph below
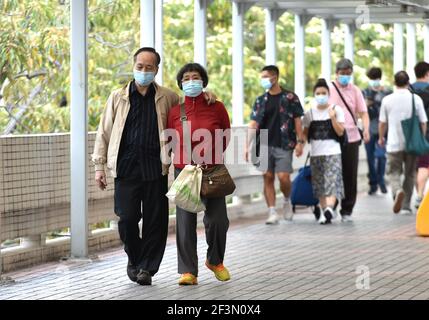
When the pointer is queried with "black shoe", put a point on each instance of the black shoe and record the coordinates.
(132, 272)
(144, 278)
(328, 216)
(372, 190)
(383, 189)
(316, 212)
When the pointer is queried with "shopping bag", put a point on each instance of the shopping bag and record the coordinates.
(186, 188)
(415, 141)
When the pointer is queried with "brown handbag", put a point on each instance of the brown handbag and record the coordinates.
(216, 181)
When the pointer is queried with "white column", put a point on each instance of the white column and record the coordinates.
(238, 12)
(398, 47)
(270, 36)
(147, 23)
(79, 128)
(426, 42)
(349, 41)
(159, 38)
(411, 50)
(300, 56)
(200, 31)
(327, 26)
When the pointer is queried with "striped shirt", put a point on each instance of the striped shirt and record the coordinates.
(139, 153)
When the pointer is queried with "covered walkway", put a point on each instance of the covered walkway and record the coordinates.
(377, 257)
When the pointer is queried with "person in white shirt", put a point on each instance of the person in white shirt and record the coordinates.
(395, 108)
(323, 127)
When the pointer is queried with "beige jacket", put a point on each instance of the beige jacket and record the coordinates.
(112, 124)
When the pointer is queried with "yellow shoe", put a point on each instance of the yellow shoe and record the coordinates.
(221, 273)
(188, 279)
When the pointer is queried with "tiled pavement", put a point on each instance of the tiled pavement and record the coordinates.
(301, 260)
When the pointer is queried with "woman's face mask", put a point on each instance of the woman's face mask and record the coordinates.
(322, 99)
(144, 78)
(192, 88)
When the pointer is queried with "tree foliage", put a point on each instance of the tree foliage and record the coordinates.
(35, 61)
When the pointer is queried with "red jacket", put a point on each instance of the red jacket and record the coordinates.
(200, 115)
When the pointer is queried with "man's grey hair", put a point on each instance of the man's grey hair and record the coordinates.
(344, 64)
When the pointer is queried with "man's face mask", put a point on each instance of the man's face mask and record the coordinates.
(144, 78)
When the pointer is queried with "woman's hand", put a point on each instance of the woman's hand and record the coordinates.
(210, 97)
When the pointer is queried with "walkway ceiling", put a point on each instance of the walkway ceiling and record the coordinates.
(350, 11)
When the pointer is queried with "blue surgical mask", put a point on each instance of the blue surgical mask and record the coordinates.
(344, 79)
(374, 83)
(266, 83)
(321, 99)
(192, 88)
(144, 78)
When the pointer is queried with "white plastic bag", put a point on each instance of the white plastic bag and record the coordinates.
(185, 190)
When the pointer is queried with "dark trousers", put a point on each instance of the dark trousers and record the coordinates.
(216, 226)
(135, 200)
(376, 163)
(350, 162)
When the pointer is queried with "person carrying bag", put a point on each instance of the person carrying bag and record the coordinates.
(209, 180)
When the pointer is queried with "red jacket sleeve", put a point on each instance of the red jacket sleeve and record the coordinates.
(225, 124)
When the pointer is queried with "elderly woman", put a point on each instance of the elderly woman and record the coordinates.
(192, 79)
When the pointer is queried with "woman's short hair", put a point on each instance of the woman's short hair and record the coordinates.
(192, 67)
(321, 83)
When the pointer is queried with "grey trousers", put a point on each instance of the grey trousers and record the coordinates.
(399, 163)
(216, 225)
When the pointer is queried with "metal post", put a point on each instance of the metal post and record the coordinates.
(411, 50)
(200, 31)
(147, 23)
(159, 38)
(238, 12)
(349, 49)
(426, 41)
(270, 36)
(300, 22)
(79, 128)
(327, 26)
(398, 47)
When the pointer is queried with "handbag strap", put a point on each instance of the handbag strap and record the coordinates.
(186, 134)
(345, 103)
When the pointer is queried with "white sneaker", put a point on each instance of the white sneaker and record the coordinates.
(346, 218)
(273, 219)
(406, 212)
(418, 202)
(287, 211)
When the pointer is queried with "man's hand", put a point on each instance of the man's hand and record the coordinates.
(100, 179)
(381, 142)
(210, 97)
(366, 136)
(299, 149)
(246, 154)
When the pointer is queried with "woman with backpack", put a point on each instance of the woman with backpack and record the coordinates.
(324, 130)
